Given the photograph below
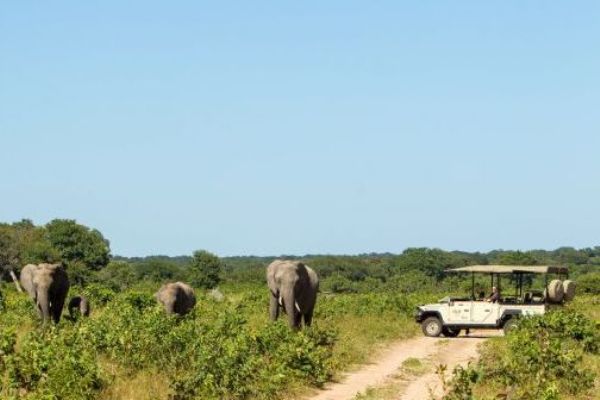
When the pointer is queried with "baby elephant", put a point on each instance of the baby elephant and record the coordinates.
(177, 298)
(79, 306)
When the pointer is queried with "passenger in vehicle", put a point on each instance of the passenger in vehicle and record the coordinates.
(495, 296)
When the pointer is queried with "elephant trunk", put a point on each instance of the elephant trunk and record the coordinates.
(43, 303)
(289, 303)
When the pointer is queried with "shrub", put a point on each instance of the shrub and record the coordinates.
(540, 359)
(589, 283)
(228, 361)
(98, 294)
(54, 363)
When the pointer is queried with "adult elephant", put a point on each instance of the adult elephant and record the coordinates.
(293, 286)
(177, 298)
(47, 285)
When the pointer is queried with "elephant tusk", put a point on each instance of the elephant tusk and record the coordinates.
(297, 306)
(280, 301)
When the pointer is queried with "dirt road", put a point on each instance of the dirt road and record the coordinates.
(452, 352)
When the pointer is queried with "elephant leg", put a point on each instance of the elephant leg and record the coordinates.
(170, 307)
(308, 317)
(297, 319)
(57, 305)
(274, 308)
(39, 309)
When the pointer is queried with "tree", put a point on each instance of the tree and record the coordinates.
(78, 244)
(157, 270)
(118, 275)
(432, 262)
(9, 254)
(23, 243)
(516, 258)
(205, 270)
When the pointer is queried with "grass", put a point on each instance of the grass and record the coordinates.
(360, 336)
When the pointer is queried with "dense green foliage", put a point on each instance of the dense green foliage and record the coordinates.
(541, 359)
(80, 249)
(205, 270)
(222, 350)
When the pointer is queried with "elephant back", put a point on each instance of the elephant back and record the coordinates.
(185, 295)
(313, 278)
(179, 295)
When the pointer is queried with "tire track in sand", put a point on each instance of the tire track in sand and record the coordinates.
(452, 352)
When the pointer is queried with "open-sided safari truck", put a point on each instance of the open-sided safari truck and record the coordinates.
(452, 314)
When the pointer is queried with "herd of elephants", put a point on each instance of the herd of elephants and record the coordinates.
(293, 287)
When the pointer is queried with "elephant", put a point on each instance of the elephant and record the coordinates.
(293, 286)
(79, 306)
(47, 285)
(177, 298)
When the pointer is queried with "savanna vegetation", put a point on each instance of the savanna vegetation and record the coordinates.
(549, 357)
(226, 348)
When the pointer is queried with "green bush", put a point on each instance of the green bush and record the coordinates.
(98, 294)
(219, 350)
(54, 363)
(540, 359)
(589, 283)
(228, 361)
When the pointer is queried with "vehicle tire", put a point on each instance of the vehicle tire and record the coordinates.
(569, 289)
(432, 327)
(450, 332)
(509, 325)
(555, 291)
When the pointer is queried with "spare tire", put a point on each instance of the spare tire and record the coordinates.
(569, 290)
(555, 291)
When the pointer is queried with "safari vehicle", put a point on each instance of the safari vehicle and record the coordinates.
(452, 314)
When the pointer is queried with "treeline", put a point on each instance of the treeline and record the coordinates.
(86, 254)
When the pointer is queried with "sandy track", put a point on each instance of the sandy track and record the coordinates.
(451, 352)
(454, 352)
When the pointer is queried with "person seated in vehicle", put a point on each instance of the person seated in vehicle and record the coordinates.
(495, 296)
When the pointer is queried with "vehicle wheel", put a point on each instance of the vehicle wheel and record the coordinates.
(450, 332)
(510, 325)
(432, 327)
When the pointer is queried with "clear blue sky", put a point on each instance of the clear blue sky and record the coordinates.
(304, 127)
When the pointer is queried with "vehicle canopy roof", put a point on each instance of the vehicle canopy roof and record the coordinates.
(513, 269)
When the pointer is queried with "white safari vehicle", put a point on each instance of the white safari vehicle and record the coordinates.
(451, 314)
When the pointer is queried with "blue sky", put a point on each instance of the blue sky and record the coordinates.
(304, 127)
